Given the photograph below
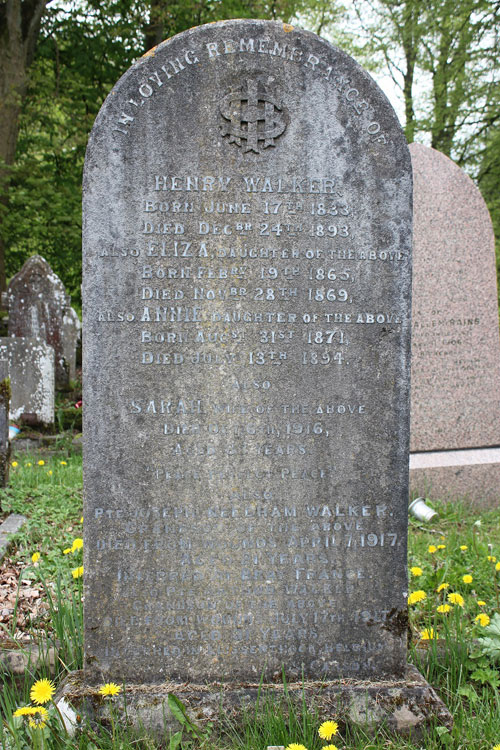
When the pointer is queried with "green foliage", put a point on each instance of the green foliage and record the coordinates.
(84, 47)
(69, 418)
(53, 506)
(443, 56)
(490, 642)
(197, 735)
(487, 164)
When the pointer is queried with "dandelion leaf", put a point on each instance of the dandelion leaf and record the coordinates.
(490, 642)
(178, 709)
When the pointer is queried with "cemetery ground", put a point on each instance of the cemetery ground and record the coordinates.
(454, 604)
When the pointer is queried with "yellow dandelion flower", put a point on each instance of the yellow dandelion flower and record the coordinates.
(467, 578)
(443, 587)
(497, 566)
(330, 747)
(491, 558)
(28, 464)
(42, 691)
(50, 472)
(463, 547)
(328, 729)
(23, 711)
(14, 464)
(77, 544)
(429, 634)
(456, 599)
(81, 519)
(417, 596)
(110, 688)
(496, 747)
(481, 603)
(416, 571)
(295, 746)
(441, 546)
(67, 551)
(35, 557)
(41, 463)
(38, 718)
(482, 619)
(63, 463)
(443, 609)
(432, 549)
(77, 572)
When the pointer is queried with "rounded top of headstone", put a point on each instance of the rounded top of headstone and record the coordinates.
(34, 264)
(255, 61)
(443, 176)
(450, 192)
(36, 267)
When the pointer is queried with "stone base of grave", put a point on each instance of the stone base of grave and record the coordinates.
(407, 707)
(12, 524)
(45, 443)
(472, 474)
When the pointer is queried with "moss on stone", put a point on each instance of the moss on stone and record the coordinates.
(5, 391)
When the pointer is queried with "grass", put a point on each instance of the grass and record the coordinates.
(465, 674)
(50, 496)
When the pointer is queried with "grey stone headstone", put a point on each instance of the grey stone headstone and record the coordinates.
(71, 332)
(37, 303)
(247, 283)
(31, 367)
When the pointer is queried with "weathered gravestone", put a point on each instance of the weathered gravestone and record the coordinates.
(455, 398)
(37, 303)
(30, 367)
(71, 333)
(247, 237)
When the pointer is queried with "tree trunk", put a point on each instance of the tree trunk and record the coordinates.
(19, 28)
(409, 46)
(154, 30)
(449, 75)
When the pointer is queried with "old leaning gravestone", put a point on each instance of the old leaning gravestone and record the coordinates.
(455, 399)
(38, 305)
(247, 242)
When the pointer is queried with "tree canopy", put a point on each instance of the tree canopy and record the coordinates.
(443, 56)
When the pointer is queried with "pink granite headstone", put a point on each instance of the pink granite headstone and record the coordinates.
(455, 390)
